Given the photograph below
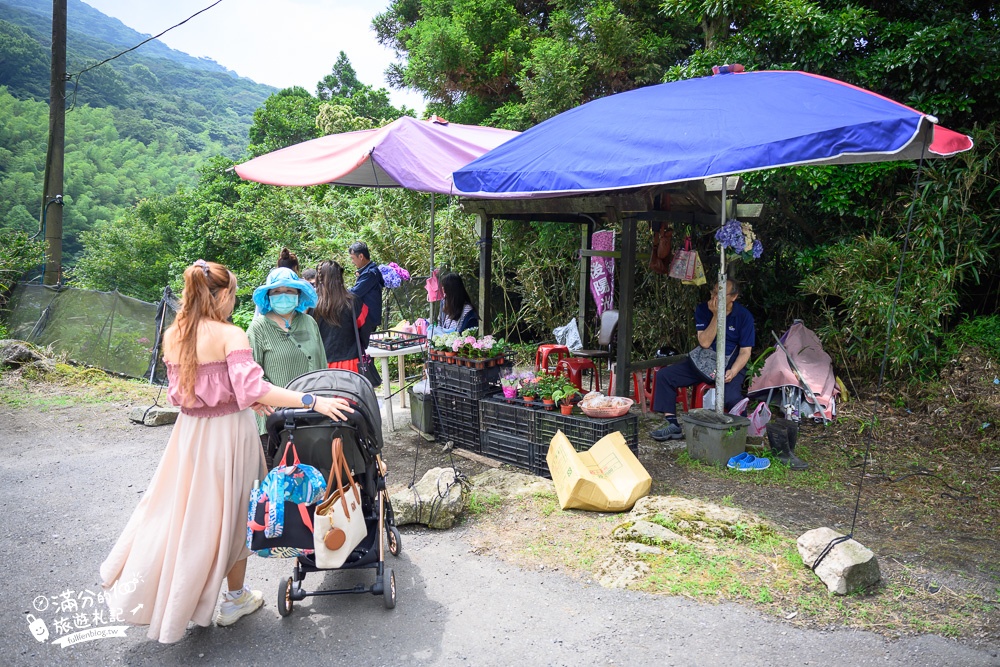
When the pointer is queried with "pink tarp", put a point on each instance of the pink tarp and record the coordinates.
(814, 364)
(415, 154)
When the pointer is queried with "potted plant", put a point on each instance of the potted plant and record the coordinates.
(529, 387)
(509, 383)
(563, 396)
(547, 384)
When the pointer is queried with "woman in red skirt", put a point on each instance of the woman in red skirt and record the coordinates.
(337, 313)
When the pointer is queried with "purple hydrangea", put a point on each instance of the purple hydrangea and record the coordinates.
(389, 275)
(730, 235)
(403, 273)
(758, 249)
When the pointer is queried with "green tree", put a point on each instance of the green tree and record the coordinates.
(288, 117)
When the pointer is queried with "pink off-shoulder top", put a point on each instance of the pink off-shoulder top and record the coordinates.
(221, 387)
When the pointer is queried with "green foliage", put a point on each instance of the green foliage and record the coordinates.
(513, 64)
(981, 332)
(18, 254)
(133, 253)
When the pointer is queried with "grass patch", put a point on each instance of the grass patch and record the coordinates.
(483, 503)
(778, 474)
(66, 385)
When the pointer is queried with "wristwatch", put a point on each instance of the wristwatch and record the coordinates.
(308, 401)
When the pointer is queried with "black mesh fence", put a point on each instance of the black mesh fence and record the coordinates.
(106, 330)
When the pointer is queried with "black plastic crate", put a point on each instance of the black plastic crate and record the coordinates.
(395, 340)
(582, 431)
(511, 449)
(456, 418)
(469, 382)
(497, 413)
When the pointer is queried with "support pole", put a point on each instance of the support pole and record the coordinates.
(585, 233)
(626, 303)
(53, 185)
(720, 331)
(485, 273)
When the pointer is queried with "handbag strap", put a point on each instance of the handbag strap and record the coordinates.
(357, 340)
(339, 464)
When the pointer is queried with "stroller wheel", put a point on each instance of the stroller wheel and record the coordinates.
(285, 603)
(389, 589)
(395, 542)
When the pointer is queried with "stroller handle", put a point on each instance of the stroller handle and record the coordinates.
(288, 415)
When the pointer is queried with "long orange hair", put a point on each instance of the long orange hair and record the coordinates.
(207, 286)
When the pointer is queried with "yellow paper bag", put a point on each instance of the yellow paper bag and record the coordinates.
(605, 478)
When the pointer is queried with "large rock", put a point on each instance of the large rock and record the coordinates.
(17, 352)
(646, 532)
(511, 484)
(435, 501)
(154, 415)
(692, 518)
(848, 567)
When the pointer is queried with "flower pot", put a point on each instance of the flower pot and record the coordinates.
(566, 409)
(509, 392)
(528, 398)
(549, 403)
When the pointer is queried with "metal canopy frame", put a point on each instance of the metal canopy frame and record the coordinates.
(695, 203)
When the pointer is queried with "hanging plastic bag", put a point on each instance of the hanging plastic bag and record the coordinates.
(683, 265)
(758, 420)
(433, 287)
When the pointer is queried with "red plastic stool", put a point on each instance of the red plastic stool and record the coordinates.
(543, 352)
(696, 399)
(698, 394)
(574, 367)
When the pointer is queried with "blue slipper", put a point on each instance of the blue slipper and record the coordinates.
(738, 459)
(754, 463)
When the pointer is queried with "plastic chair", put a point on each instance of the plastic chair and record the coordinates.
(574, 367)
(609, 321)
(543, 352)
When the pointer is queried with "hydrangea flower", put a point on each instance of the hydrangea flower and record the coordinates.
(391, 278)
(739, 238)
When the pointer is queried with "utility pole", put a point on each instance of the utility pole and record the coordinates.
(52, 221)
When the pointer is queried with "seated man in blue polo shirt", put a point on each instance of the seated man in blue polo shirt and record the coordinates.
(739, 342)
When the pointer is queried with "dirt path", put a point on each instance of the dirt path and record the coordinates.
(76, 471)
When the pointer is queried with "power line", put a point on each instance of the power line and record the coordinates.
(76, 77)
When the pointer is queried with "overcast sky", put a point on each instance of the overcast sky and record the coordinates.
(278, 42)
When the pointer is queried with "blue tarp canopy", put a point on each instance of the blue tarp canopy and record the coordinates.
(700, 128)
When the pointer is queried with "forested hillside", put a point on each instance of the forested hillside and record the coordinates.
(136, 127)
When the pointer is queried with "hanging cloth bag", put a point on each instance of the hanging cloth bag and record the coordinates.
(683, 265)
(340, 521)
(280, 515)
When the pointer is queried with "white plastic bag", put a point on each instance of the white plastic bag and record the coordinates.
(569, 336)
(758, 420)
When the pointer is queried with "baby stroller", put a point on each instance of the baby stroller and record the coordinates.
(312, 434)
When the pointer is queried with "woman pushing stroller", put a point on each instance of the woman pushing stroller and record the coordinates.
(189, 530)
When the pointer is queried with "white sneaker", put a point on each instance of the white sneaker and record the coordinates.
(233, 609)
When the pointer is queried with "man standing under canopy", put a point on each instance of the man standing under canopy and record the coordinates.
(740, 337)
(367, 288)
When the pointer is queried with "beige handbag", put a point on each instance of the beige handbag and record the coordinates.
(339, 525)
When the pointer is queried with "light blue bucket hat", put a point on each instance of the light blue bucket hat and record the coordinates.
(284, 277)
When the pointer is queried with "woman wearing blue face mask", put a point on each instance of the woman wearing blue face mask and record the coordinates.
(285, 341)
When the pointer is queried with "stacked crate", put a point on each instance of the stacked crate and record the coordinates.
(508, 430)
(519, 433)
(457, 391)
